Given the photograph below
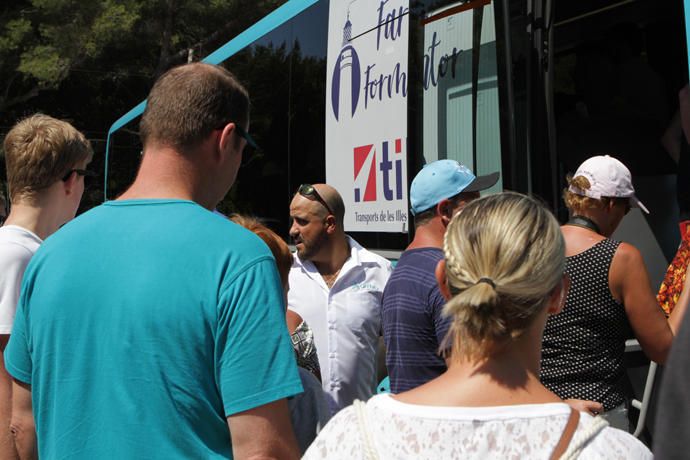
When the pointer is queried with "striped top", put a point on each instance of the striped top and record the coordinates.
(583, 346)
(413, 327)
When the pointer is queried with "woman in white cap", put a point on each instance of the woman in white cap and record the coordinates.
(610, 298)
(502, 274)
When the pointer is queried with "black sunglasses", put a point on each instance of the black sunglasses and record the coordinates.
(249, 152)
(309, 191)
(245, 135)
(80, 172)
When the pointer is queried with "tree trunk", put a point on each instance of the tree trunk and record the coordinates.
(166, 37)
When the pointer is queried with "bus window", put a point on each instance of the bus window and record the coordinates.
(460, 104)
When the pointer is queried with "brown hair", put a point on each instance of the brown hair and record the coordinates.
(575, 202)
(188, 102)
(281, 251)
(504, 255)
(39, 151)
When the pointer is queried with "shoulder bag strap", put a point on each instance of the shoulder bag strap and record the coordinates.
(368, 449)
(567, 436)
(584, 438)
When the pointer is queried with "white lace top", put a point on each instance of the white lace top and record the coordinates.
(406, 431)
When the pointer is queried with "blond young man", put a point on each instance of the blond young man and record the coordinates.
(45, 161)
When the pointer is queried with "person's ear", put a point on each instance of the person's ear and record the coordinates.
(70, 184)
(442, 279)
(444, 209)
(225, 138)
(611, 204)
(330, 224)
(558, 296)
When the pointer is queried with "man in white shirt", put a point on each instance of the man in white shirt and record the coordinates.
(45, 160)
(336, 286)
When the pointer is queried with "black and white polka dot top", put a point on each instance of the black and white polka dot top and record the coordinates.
(583, 346)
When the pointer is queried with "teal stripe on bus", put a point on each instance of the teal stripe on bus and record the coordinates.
(265, 25)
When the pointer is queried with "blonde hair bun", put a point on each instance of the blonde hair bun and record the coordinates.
(504, 255)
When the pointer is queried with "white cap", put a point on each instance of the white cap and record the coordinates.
(607, 177)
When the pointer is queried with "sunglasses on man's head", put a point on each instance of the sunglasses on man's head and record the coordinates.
(80, 172)
(309, 191)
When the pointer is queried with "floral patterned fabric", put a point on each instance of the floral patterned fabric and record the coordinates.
(397, 430)
(672, 286)
(305, 349)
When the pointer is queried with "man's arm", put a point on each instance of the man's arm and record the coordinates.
(7, 449)
(264, 432)
(22, 426)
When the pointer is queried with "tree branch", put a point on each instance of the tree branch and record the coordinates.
(7, 103)
(166, 38)
(182, 54)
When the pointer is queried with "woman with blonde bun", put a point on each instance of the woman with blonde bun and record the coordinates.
(610, 297)
(503, 277)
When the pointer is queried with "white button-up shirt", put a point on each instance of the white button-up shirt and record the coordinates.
(346, 320)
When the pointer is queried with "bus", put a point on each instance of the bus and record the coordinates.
(362, 93)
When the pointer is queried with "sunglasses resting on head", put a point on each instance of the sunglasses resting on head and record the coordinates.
(309, 191)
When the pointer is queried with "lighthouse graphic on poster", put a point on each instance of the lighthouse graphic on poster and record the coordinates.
(346, 77)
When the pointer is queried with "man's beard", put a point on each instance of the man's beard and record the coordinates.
(311, 248)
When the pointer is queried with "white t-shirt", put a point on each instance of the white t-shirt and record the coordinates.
(17, 246)
(408, 431)
(345, 319)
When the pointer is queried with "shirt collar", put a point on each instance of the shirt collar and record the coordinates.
(357, 256)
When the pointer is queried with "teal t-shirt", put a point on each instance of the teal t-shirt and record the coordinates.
(142, 325)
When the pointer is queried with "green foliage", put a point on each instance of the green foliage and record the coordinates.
(15, 33)
(43, 41)
(43, 62)
(90, 61)
(112, 25)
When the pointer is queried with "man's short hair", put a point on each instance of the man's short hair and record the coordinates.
(39, 151)
(424, 217)
(188, 102)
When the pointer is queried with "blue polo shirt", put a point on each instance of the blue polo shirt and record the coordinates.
(142, 325)
(413, 325)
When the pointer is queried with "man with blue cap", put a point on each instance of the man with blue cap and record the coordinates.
(413, 326)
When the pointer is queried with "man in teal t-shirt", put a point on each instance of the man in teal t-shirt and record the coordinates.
(150, 327)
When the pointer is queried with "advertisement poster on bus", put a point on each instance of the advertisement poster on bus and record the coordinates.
(366, 112)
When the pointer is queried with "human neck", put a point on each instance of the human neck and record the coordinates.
(41, 219)
(429, 235)
(513, 362)
(584, 222)
(507, 377)
(498, 381)
(595, 216)
(165, 173)
(335, 256)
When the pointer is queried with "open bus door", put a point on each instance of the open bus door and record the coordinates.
(611, 72)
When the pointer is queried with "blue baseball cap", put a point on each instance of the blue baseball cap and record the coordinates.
(444, 179)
